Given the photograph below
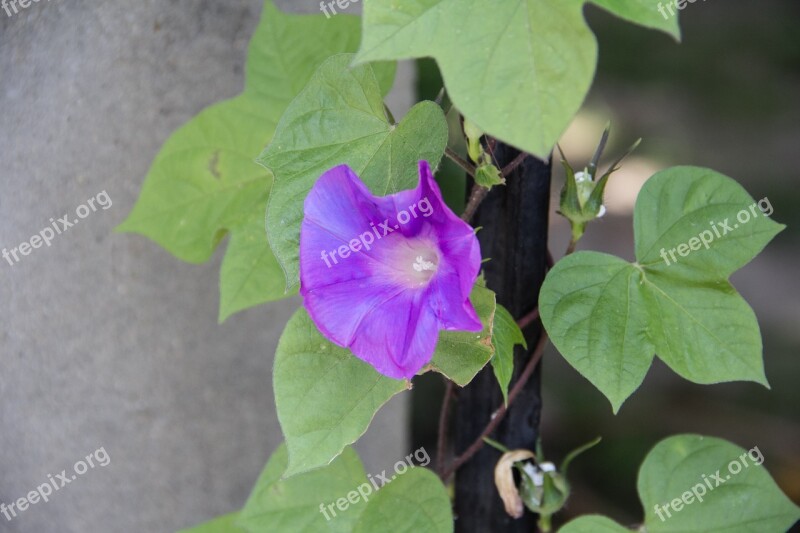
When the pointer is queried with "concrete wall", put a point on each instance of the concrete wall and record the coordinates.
(105, 339)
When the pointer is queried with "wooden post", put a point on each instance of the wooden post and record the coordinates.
(514, 221)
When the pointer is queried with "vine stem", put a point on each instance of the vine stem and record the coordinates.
(449, 394)
(444, 423)
(475, 198)
(528, 319)
(458, 160)
(500, 413)
(509, 168)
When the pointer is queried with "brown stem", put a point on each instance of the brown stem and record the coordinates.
(509, 168)
(498, 415)
(475, 198)
(444, 421)
(528, 319)
(455, 158)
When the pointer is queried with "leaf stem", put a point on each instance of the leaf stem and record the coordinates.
(389, 114)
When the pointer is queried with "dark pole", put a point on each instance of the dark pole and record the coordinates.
(514, 221)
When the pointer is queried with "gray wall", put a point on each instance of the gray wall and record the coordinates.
(106, 340)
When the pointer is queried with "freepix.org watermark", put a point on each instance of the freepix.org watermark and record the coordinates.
(709, 483)
(363, 491)
(56, 227)
(43, 492)
(11, 5)
(670, 4)
(720, 229)
(366, 239)
(342, 4)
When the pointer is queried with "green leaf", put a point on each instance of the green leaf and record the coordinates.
(696, 484)
(277, 504)
(643, 12)
(221, 524)
(505, 335)
(339, 118)
(687, 200)
(745, 501)
(204, 182)
(592, 524)
(460, 355)
(281, 57)
(243, 276)
(414, 501)
(608, 317)
(518, 70)
(325, 396)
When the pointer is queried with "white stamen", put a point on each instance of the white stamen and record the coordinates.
(421, 265)
(547, 467)
(534, 474)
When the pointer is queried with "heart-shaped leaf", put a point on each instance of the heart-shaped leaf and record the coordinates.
(518, 70)
(414, 501)
(607, 317)
(696, 484)
(278, 504)
(325, 396)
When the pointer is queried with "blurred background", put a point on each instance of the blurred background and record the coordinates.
(106, 340)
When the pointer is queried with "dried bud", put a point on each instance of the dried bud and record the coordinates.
(504, 479)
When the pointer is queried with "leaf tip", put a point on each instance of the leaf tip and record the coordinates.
(616, 404)
(123, 227)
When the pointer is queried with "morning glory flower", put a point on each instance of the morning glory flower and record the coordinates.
(383, 275)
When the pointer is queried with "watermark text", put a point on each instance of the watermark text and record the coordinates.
(43, 492)
(56, 227)
(709, 483)
(375, 483)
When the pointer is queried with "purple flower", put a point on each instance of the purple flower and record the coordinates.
(383, 275)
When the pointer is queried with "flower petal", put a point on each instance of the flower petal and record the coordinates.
(398, 337)
(453, 310)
